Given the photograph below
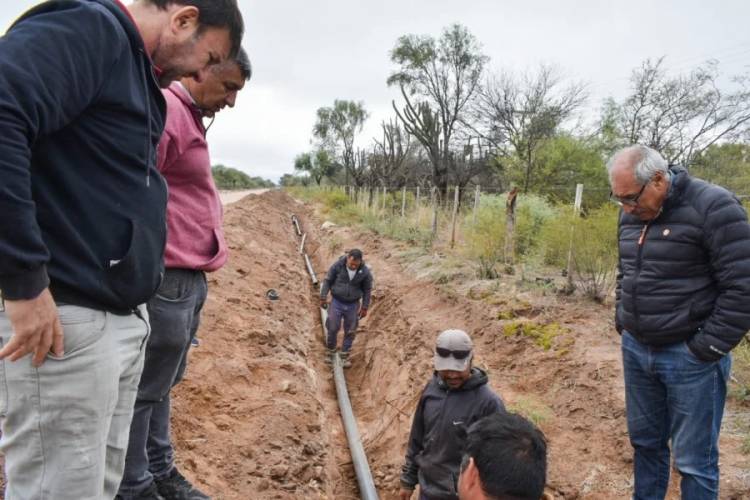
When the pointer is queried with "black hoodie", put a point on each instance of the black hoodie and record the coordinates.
(82, 205)
(433, 457)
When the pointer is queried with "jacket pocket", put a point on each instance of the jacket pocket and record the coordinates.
(135, 278)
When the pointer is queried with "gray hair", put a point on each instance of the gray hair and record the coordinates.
(647, 162)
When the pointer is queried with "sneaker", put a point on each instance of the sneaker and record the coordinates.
(176, 487)
(330, 353)
(149, 494)
(345, 361)
(195, 342)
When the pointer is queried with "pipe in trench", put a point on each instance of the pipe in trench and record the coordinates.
(366, 484)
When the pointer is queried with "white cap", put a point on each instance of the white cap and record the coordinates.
(453, 340)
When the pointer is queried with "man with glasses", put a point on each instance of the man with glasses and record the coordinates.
(682, 296)
(456, 396)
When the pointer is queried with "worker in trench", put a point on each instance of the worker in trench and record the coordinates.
(455, 397)
(350, 282)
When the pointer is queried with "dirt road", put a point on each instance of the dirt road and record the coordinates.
(256, 417)
(229, 197)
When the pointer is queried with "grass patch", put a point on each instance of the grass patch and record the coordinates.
(532, 409)
(740, 390)
(543, 335)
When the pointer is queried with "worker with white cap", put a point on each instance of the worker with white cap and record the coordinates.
(456, 396)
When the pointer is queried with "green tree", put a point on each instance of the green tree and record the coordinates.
(682, 115)
(564, 161)
(727, 165)
(317, 164)
(231, 178)
(519, 114)
(336, 128)
(437, 78)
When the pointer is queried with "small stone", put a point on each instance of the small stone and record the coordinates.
(318, 473)
(263, 485)
(279, 472)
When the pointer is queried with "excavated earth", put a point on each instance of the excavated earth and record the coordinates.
(257, 415)
(257, 418)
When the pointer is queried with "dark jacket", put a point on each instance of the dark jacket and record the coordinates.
(433, 457)
(81, 114)
(685, 276)
(344, 290)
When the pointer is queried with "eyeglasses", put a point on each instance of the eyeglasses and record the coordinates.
(630, 201)
(444, 353)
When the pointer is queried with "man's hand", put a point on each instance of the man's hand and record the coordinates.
(323, 302)
(36, 329)
(405, 494)
(362, 312)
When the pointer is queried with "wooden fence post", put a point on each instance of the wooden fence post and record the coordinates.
(455, 215)
(510, 226)
(403, 202)
(476, 204)
(576, 211)
(434, 211)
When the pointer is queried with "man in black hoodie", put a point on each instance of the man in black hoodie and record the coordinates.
(83, 226)
(456, 396)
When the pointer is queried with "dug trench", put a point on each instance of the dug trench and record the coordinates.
(257, 416)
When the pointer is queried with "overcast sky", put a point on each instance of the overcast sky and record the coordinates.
(306, 53)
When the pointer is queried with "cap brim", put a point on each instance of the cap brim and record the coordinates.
(451, 363)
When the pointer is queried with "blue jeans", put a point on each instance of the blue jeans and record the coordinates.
(671, 394)
(175, 314)
(349, 313)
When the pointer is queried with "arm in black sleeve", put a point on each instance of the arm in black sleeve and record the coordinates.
(410, 469)
(728, 243)
(328, 280)
(52, 65)
(367, 290)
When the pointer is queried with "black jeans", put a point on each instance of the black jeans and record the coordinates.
(174, 314)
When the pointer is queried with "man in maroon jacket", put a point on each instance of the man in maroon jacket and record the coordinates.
(195, 245)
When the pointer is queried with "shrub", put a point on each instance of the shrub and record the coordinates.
(595, 252)
(486, 237)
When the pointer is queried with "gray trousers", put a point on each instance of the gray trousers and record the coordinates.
(65, 424)
(175, 315)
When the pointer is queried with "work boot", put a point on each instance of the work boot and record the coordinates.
(345, 362)
(149, 494)
(330, 354)
(176, 487)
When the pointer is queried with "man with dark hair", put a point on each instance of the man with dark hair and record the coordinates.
(349, 280)
(195, 246)
(83, 228)
(683, 289)
(505, 458)
(456, 396)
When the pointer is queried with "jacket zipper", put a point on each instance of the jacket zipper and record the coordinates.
(641, 242)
